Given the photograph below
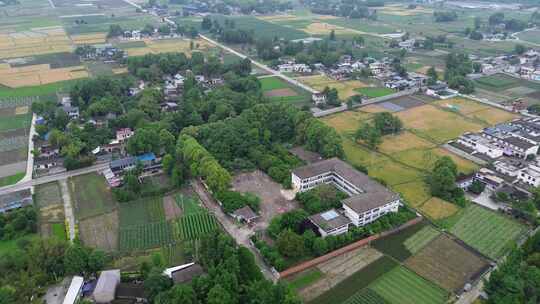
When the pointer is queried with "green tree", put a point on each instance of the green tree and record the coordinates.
(433, 76)
(219, 295)
(290, 244)
(332, 35)
(370, 135)
(155, 283)
(520, 49)
(477, 187)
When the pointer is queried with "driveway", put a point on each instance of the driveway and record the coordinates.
(240, 233)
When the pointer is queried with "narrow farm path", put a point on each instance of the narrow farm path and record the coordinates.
(68, 208)
(240, 233)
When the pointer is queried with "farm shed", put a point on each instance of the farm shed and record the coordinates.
(106, 286)
(183, 273)
(245, 214)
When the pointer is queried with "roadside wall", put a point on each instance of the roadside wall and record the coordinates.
(343, 108)
(316, 261)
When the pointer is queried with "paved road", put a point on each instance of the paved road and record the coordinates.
(261, 66)
(240, 233)
(68, 208)
(52, 178)
(30, 158)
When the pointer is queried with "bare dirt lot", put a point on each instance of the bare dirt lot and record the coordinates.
(171, 209)
(338, 269)
(447, 263)
(273, 202)
(100, 231)
(280, 93)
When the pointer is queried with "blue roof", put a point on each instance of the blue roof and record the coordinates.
(146, 157)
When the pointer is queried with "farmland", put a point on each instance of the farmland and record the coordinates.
(402, 286)
(91, 195)
(34, 42)
(143, 224)
(370, 92)
(366, 296)
(278, 90)
(447, 263)
(530, 36)
(488, 232)
(168, 45)
(359, 280)
(264, 29)
(395, 245)
(345, 89)
(503, 88)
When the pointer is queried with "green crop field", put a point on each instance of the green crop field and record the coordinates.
(394, 245)
(356, 282)
(421, 239)
(12, 179)
(402, 286)
(272, 83)
(145, 236)
(488, 232)
(9, 246)
(366, 296)
(142, 211)
(15, 122)
(530, 36)
(188, 204)
(307, 278)
(59, 230)
(193, 226)
(40, 90)
(91, 195)
(263, 29)
(498, 82)
(174, 253)
(374, 92)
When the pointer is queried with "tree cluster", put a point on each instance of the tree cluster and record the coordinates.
(233, 200)
(445, 16)
(295, 240)
(384, 123)
(253, 139)
(321, 198)
(442, 181)
(457, 68)
(231, 277)
(33, 265)
(17, 223)
(517, 279)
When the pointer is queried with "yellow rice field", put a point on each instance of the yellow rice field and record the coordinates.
(34, 42)
(39, 74)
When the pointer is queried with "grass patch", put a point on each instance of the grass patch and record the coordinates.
(420, 239)
(402, 286)
(394, 245)
(12, 179)
(142, 211)
(59, 231)
(48, 194)
(307, 278)
(437, 209)
(188, 204)
(490, 233)
(263, 29)
(374, 92)
(15, 122)
(272, 83)
(10, 246)
(359, 280)
(91, 195)
(46, 89)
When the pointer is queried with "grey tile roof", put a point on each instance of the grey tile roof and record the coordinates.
(375, 195)
(327, 225)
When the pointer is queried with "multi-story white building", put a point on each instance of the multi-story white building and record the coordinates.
(530, 175)
(367, 201)
(480, 145)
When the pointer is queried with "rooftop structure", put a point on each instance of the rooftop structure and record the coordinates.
(74, 291)
(106, 286)
(330, 222)
(15, 200)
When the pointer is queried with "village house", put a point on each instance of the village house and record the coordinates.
(441, 91)
(318, 98)
(367, 201)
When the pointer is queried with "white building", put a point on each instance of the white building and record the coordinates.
(75, 290)
(330, 222)
(368, 200)
(530, 175)
(318, 98)
(481, 145)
